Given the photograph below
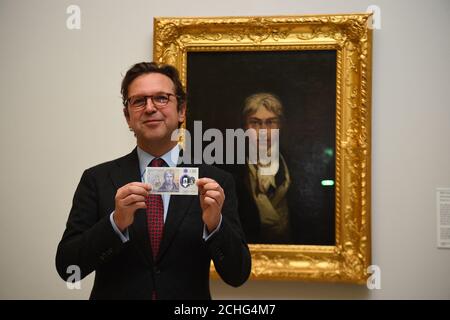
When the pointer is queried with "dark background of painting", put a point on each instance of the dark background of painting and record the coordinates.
(305, 82)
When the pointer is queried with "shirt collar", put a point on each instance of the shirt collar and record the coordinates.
(171, 158)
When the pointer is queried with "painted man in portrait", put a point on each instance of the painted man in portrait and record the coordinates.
(263, 205)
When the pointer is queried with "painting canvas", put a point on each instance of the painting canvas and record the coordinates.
(305, 84)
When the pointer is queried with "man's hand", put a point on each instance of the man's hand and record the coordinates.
(211, 202)
(128, 199)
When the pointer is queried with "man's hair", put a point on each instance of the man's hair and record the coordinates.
(152, 67)
(267, 100)
(169, 172)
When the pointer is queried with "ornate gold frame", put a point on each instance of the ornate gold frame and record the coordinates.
(351, 37)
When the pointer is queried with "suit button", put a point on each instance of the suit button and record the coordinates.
(156, 270)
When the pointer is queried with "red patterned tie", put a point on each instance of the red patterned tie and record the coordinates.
(155, 214)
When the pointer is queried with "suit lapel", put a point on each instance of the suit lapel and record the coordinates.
(127, 171)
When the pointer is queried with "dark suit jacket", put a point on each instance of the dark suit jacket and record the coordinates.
(127, 270)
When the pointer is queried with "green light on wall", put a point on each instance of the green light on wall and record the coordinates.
(327, 183)
(329, 152)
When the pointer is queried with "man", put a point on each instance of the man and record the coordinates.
(116, 228)
(168, 184)
(263, 205)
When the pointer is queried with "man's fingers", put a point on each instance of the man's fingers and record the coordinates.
(140, 205)
(132, 198)
(211, 186)
(133, 188)
(216, 195)
(138, 184)
(208, 184)
(213, 198)
(214, 190)
(142, 190)
(211, 202)
(203, 181)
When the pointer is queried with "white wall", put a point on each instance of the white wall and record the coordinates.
(61, 113)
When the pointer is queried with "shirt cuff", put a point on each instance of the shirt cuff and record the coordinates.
(206, 236)
(123, 236)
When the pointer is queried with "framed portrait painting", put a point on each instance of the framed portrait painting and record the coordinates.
(309, 78)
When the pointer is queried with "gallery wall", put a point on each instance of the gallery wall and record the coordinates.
(61, 113)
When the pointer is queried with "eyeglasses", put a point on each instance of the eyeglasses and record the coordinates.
(159, 100)
(270, 123)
